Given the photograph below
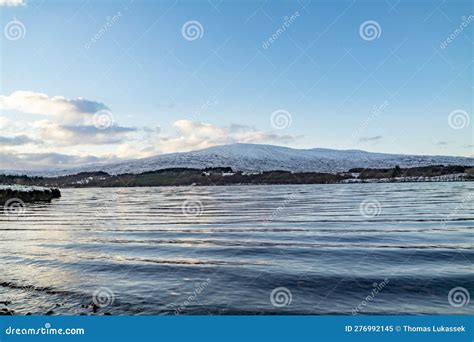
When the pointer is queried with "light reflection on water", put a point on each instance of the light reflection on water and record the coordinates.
(244, 241)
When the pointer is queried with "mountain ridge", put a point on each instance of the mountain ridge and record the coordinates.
(260, 157)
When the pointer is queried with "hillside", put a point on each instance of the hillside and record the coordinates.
(258, 158)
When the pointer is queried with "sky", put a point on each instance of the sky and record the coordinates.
(86, 81)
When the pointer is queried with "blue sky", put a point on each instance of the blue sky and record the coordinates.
(404, 90)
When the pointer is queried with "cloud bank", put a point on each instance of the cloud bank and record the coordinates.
(66, 134)
(75, 111)
(193, 135)
(12, 3)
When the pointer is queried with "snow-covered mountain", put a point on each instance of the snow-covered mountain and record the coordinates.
(255, 157)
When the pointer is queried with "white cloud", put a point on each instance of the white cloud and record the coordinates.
(17, 140)
(12, 3)
(70, 121)
(9, 126)
(41, 161)
(68, 111)
(194, 135)
(134, 150)
(64, 135)
(374, 139)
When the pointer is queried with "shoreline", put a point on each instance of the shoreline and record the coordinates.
(14, 195)
(224, 176)
(258, 184)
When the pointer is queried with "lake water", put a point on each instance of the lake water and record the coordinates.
(309, 249)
